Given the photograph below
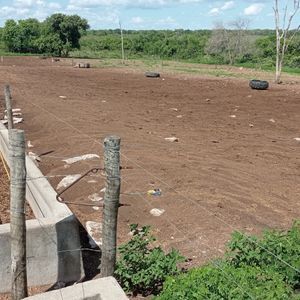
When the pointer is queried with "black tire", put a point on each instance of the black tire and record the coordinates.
(259, 84)
(152, 74)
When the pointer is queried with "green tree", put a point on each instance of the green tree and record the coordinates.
(65, 32)
(29, 32)
(21, 36)
(11, 36)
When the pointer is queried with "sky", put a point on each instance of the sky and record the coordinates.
(149, 14)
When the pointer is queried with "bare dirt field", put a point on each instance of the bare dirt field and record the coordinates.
(236, 165)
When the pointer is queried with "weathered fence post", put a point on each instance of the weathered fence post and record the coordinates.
(111, 205)
(9, 113)
(17, 214)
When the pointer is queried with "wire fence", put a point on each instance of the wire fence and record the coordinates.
(197, 243)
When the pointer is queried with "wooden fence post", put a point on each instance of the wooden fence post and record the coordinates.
(9, 113)
(111, 205)
(17, 214)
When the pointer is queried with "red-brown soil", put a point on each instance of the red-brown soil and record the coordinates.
(226, 173)
(4, 188)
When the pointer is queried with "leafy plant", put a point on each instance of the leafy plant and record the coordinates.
(142, 268)
(277, 250)
(224, 281)
(253, 268)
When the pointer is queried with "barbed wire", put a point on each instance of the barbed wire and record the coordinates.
(185, 233)
(162, 181)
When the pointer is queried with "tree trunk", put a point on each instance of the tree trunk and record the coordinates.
(278, 62)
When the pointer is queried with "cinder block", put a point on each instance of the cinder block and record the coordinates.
(98, 289)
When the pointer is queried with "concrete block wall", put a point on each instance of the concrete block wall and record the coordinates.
(53, 239)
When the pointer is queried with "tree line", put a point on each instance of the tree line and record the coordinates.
(220, 45)
(57, 35)
(231, 44)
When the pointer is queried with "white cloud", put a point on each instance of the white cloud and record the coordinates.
(168, 20)
(227, 5)
(13, 11)
(216, 11)
(28, 3)
(254, 9)
(129, 3)
(54, 5)
(137, 20)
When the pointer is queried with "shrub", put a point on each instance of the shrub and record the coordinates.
(252, 251)
(142, 268)
(226, 282)
(253, 268)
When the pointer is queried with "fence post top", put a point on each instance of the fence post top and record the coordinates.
(112, 141)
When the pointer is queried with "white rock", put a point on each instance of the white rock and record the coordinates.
(66, 181)
(272, 120)
(95, 197)
(18, 120)
(14, 110)
(232, 116)
(75, 159)
(297, 139)
(96, 207)
(173, 108)
(34, 156)
(179, 116)
(92, 181)
(94, 229)
(156, 212)
(29, 145)
(63, 97)
(172, 139)
(103, 190)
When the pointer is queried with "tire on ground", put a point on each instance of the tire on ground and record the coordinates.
(259, 84)
(152, 74)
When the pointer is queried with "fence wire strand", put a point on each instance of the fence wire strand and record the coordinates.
(162, 181)
(193, 201)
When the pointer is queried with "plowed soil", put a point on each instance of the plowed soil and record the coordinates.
(236, 165)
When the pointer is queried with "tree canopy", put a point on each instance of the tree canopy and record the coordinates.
(57, 35)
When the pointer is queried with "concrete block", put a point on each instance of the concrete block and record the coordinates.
(39, 193)
(99, 289)
(53, 253)
(53, 239)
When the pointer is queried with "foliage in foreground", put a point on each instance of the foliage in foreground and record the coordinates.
(249, 270)
(142, 268)
(219, 282)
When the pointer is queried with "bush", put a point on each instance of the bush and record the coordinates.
(226, 282)
(142, 268)
(252, 251)
(253, 268)
(294, 62)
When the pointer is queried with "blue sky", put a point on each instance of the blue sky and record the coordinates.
(148, 14)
